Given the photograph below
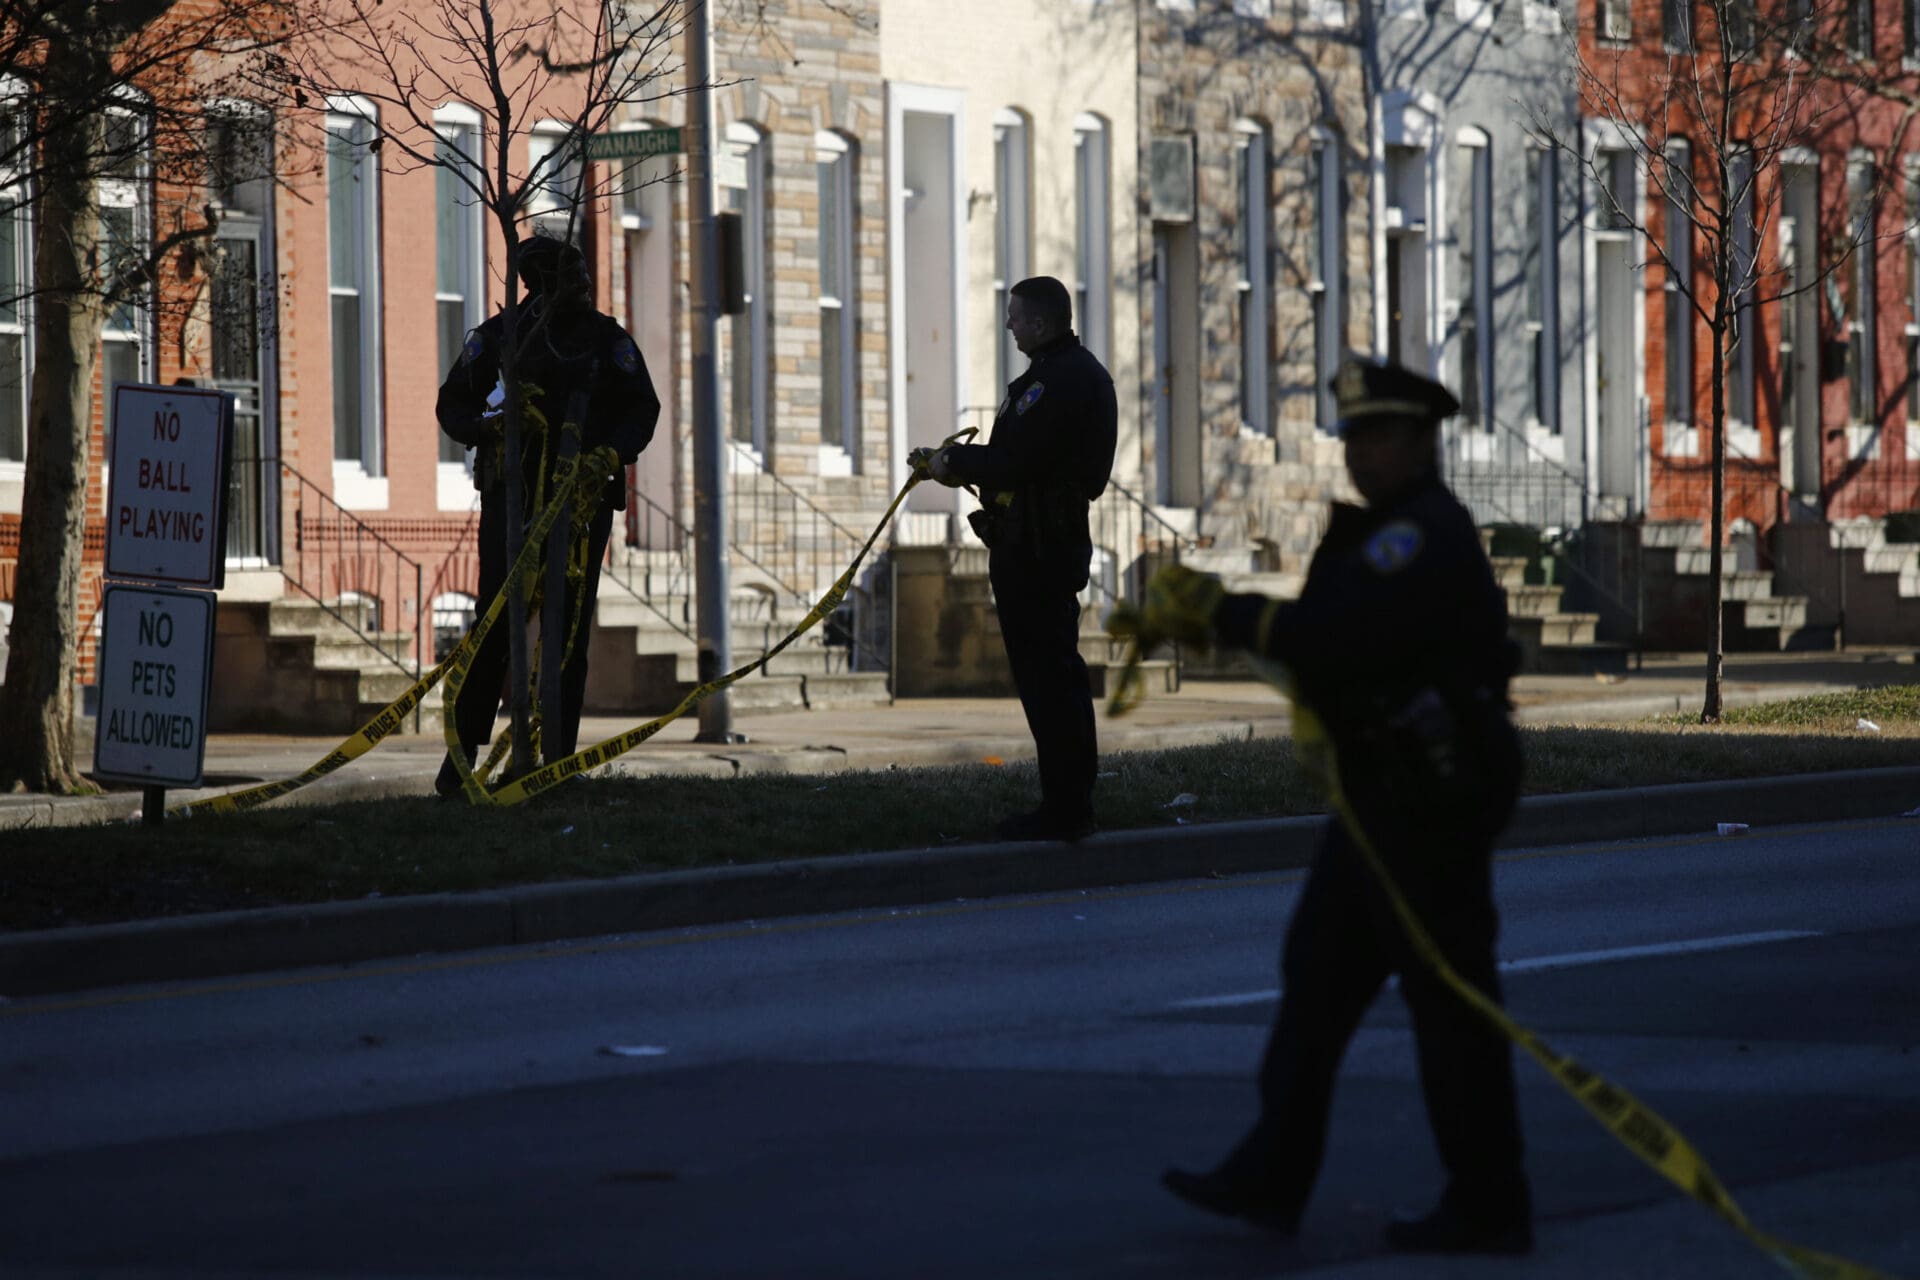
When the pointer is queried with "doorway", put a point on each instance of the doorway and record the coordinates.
(1799, 446)
(1176, 363)
(646, 218)
(1616, 376)
(929, 345)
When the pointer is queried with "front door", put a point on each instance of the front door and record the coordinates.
(1176, 358)
(930, 252)
(241, 314)
(1617, 374)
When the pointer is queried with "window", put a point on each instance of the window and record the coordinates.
(1327, 276)
(1407, 189)
(16, 279)
(453, 616)
(839, 341)
(1859, 34)
(749, 336)
(1540, 264)
(1092, 237)
(1746, 332)
(126, 237)
(1860, 316)
(556, 173)
(1913, 297)
(1615, 167)
(1909, 30)
(1676, 23)
(1473, 284)
(1252, 184)
(1677, 289)
(459, 243)
(353, 278)
(1011, 224)
(1615, 20)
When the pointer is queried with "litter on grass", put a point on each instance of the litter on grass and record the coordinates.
(1733, 828)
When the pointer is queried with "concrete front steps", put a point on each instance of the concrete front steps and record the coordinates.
(1552, 641)
(1677, 595)
(1860, 576)
(291, 666)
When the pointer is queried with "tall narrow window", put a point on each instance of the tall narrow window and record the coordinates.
(1473, 284)
(1011, 228)
(353, 278)
(1859, 35)
(1676, 20)
(1092, 234)
(1407, 193)
(1860, 318)
(1913, 297)
(557, 171)
(1677, 289)
(1327, 276)
(1251, 185)
(459, 229)
(1740, 396)
(1909, 29)
(839, 346)
(1540, 263)
(749, 336)
(16, 282)
(126, 234)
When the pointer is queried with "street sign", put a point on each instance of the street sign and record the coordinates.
(634, 144)
(166, 485)
(155, 665)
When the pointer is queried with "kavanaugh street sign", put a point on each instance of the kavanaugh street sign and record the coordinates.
(634, 144)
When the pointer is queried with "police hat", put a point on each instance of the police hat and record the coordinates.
(541, 257)
(1364, 390)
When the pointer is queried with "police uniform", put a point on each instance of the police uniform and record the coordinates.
(566, 351)
(1398, 644)
(1049, 456)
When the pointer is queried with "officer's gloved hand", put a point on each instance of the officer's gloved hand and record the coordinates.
(920, 462)
(1180, 606)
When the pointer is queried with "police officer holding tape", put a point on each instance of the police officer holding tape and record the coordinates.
(1398, 646)
(566, 347)
(1049, 456)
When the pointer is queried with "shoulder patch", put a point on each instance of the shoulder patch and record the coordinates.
(1030, 397)
(1394, 546)
(626, 355)
(472, 348)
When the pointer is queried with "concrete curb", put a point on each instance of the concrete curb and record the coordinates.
(226, 943)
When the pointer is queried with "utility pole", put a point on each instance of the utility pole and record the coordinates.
(709, 449)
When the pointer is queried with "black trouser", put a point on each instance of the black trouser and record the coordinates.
(1040, 624)
(480, 693)
(1343, 942)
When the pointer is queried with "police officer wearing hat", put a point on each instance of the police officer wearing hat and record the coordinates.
(1398, 645)
(1048, 457)
(565, 346)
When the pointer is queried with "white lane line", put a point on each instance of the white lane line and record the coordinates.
(1569, 960)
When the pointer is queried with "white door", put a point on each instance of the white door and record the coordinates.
(651, 313)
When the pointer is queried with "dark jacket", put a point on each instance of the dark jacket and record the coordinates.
(1400, 602)
(558, 358)
(1050, 453)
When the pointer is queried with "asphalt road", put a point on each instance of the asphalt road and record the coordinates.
(976, 1089)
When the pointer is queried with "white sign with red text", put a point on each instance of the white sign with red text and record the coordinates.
(166, 486)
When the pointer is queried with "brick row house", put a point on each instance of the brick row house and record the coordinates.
(1237, 191)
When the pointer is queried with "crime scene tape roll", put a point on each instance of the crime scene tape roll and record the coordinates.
(453, 669)
(1632, 1122)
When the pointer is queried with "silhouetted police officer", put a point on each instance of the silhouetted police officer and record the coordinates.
(565, 345)
(1398, 643)
(1048, 457)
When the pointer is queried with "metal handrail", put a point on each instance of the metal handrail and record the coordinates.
(310, 553)
(679, 575)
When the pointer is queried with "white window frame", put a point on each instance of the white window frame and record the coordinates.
(1093, 234)
(1542, 324)
(360, 482)
(1540, 19)
(1012, 227)
(134, 194)
(1253, 283)
(1258, 9)
(550, 207)
(13, 471)
(747, 145)
(1681, 437)
(1407, 135)
(1476, 279)
(837, 165)
(1327, 285)
(1475, 15)
(454, 475)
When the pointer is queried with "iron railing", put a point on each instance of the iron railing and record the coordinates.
(336, 554)
(660, 557)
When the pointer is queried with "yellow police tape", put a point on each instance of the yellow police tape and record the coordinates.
(567, 476)
(1637, 1126)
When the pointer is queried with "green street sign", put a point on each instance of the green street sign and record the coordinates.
(633, 144)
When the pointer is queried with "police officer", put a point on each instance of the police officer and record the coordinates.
(1398, 644)
(564, 345)
(1048, 457)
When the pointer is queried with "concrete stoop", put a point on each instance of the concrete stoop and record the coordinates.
(292, 666)
(1855, 577)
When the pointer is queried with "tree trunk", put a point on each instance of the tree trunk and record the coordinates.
(36, 703)
(1716, 518)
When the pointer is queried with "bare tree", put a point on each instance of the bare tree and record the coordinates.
(1706, 123)
(91, 92)
(518, 62)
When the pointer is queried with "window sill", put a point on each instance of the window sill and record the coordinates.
(1743, 442)
(355, 490)
(1546, 442)
(1681, 441)
(13, 486)
(453, 485)
(835, 461)
(1863, 441)
(745, 460)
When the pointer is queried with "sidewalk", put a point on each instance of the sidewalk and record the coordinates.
(933, 731)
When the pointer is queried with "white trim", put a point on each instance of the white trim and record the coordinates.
(352, 104)
(1094, 313)
(453, 486)
(370, 295)
(1411, 118)
(355, 490)
(902, 98)
(456, 112)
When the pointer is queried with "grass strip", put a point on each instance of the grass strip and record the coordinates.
(60, 876)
